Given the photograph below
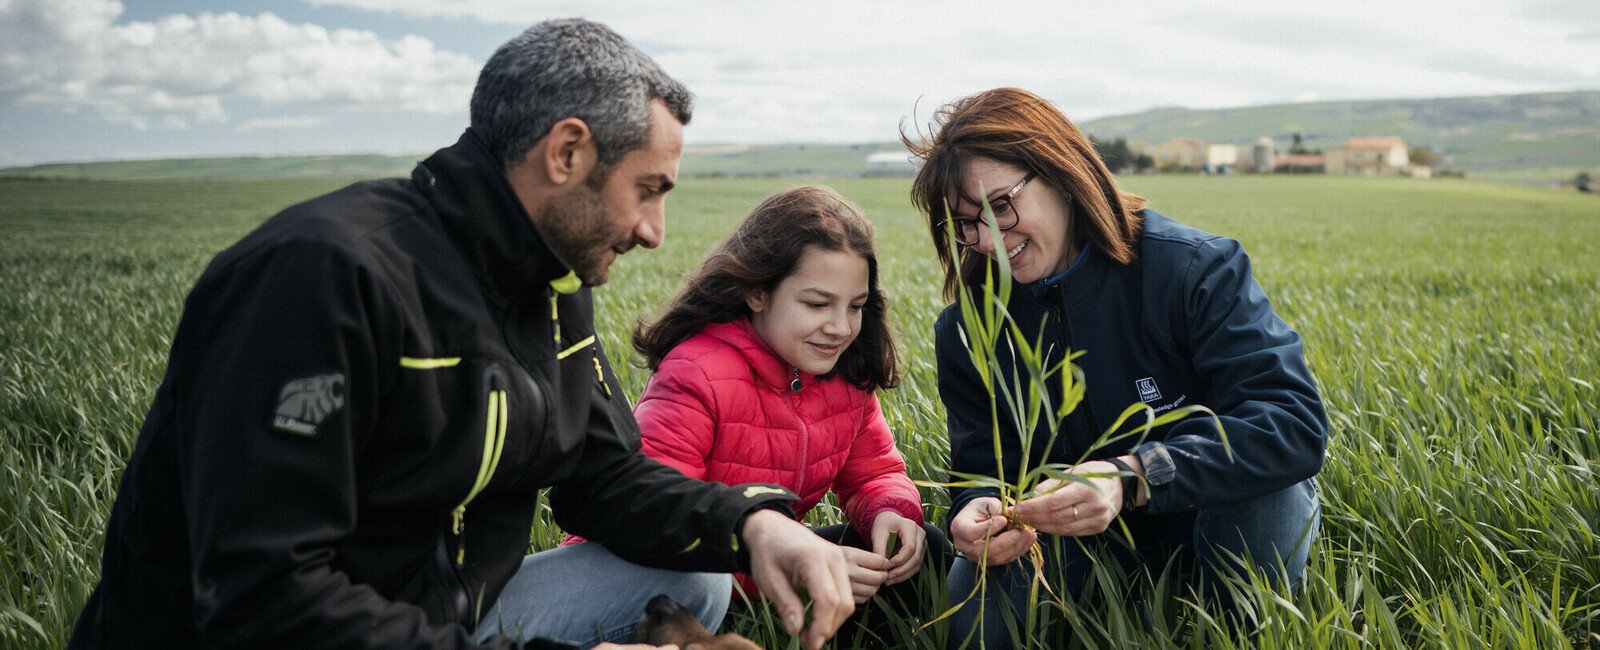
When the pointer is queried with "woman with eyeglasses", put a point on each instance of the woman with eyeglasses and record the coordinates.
(1167, 316)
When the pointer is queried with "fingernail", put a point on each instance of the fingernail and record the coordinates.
(792, 621)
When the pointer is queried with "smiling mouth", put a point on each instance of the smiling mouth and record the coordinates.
(1018, 249)
(827, 349)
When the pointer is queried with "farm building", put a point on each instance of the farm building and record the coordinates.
(1300, 163)
(1180, 153)
(1369, 156)
(1261, 155)
(1221, 158)
(890, 163)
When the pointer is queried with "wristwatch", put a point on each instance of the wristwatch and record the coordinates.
(1130, 483)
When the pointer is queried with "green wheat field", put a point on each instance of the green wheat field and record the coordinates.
(1453, 326)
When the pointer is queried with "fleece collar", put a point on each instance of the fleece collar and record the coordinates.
(467, 186)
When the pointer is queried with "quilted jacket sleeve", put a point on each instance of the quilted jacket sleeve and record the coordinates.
(676, 417)
(873, 479)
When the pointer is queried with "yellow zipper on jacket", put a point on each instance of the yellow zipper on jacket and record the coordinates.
(494, 442)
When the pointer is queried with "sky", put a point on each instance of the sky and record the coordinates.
(84, 80)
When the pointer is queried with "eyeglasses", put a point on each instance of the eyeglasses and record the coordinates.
(1005, 216)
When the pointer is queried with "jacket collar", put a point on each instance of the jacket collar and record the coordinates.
(1082, 279)
(486, 222)
(768, 368)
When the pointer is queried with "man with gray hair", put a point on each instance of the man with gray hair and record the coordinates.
(366, 395)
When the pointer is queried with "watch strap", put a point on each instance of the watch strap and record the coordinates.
(1130, 483)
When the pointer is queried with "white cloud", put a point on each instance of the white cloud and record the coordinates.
(850, 70)
(825, 70)
(180, 70)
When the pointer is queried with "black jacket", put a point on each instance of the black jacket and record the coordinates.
(363, 399)
(1185, 323)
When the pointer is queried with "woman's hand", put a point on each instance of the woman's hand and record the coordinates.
(1073, 509)
(982, 522)
(907, 560)
(867, 572)
(636, 646)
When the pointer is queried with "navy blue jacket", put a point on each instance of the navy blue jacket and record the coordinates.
(1185, 323)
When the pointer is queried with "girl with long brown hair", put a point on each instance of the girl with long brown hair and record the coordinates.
(765, 369)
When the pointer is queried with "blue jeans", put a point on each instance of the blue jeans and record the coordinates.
(583, 593)
(1274, 531)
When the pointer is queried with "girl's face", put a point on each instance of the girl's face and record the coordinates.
(815, 312)
(1037, 246)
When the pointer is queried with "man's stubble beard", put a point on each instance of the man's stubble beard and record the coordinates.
(577, 230)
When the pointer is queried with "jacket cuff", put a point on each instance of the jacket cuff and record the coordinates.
(898, 506)
(778, 500)
(966, 497)
(1159, 470)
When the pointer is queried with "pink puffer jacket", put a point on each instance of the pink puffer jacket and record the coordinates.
(720, 409)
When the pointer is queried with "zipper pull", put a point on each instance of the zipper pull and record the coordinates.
(795, 385)
(457, 517)
(600, 376)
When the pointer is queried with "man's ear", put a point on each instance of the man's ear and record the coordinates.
(569, 151)
(756, 300)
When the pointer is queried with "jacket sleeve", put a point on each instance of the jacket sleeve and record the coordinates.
(677, 417)
(649, 513)
(967, 416)
(1260, 388)
(873, 479)
(278, 378)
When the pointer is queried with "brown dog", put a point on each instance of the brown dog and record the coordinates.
(666, 622)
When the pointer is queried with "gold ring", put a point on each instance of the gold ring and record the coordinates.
(1074, 513)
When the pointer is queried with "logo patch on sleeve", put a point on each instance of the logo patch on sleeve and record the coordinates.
(758, 490)
(305, 403)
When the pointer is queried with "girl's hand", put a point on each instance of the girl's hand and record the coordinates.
(982, 522)
(907, 560)
(1072, 509)
(867, 572)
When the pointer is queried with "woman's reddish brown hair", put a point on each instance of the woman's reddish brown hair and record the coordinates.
(1016, 127)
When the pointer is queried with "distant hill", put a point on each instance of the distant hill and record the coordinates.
(1507, 136)
(1536, 137)
(226, 169)
(780, 159)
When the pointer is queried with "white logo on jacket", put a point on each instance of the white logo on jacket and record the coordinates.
(1148, 391)
(305, 403)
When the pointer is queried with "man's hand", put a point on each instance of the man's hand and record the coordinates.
(983, 521)
(907, 561)
(638, 646)
(1073, 509)
(784, 556)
